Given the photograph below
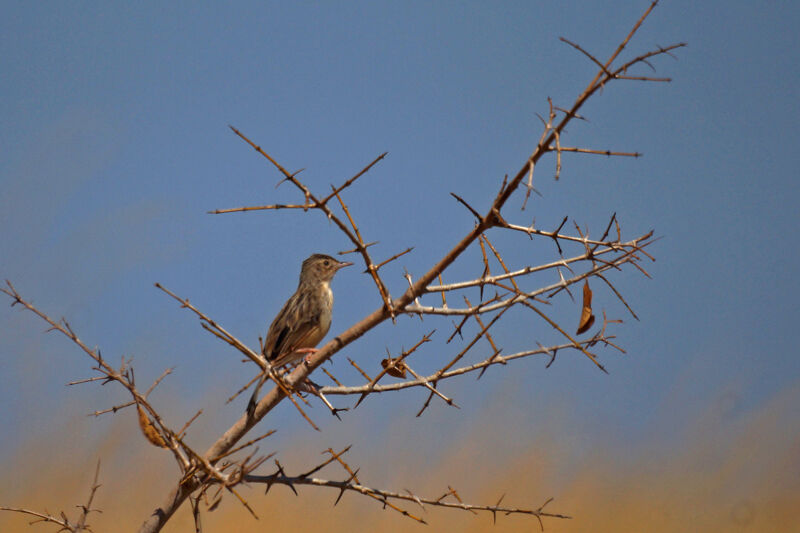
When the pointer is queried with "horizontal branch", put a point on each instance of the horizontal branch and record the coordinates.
(521, 272)
(595, 152)
(260, 208)
(504, 303)
(385, 495)
(644, 78)
(531, 230)
(420, 382)
(64, 522)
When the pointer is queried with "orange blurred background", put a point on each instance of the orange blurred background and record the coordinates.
(724, 469)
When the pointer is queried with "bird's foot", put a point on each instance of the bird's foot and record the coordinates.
(309, 352)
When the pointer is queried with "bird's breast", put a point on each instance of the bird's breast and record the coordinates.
(324, 306)
(325, 317)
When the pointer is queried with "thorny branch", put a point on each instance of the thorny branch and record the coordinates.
(123, 376)
(384, 497)
(194, 466)
(495, 359)
(213, 469)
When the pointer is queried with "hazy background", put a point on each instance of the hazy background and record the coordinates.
(114, 144)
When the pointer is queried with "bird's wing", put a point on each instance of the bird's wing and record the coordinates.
(294, 340)
(289, 331)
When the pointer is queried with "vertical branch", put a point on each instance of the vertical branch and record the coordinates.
(371, 268)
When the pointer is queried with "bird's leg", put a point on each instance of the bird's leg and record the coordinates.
(309, 352)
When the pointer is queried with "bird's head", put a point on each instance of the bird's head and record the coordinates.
(321, 268)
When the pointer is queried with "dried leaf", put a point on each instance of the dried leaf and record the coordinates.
(149, 429)
(587, 318)
(396, 367)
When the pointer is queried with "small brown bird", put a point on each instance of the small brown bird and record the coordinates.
(303, 320)
(305, 317)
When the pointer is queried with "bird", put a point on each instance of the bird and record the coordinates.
(304, 319)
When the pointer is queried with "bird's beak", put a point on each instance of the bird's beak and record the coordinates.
(343, 264)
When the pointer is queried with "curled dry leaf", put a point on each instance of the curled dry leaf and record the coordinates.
(149, 429)
(396, 367)
(587, 318)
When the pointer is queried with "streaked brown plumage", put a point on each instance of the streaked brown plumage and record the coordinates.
(306, 316)
(303, 320)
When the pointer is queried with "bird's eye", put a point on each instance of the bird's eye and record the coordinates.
(327, 263)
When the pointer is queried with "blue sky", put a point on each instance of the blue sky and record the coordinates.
(114, 143)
